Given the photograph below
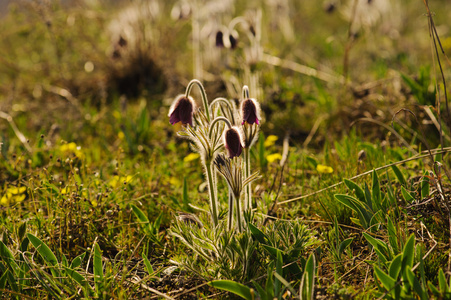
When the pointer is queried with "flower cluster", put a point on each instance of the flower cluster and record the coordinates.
(221, 127)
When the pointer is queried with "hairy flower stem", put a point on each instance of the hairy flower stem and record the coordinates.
(238, 213)
(230, 214)
(212, 192)
(247, 173)
(216, 120)
(203, 94)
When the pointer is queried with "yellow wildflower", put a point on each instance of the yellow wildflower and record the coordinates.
(191, 157)
(118, 180)
(13, 195)
(273, 157)
(324, 169)
(71, 148)
(121, 135)
(270, 140)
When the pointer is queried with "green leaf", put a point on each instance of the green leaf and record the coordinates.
(286, 284)
(359, 207)
(64, 260)
(258, 234)
(442, 281)
(360, 194)
(76, 276)
(415, 284)
(408, 252)
(148, 265)
(261, 292)
(395, 266)
(76, 262)
(233, 287)
(312, 161)
(392, 237)
(368, 197)
(386, 280)
(434, 290)
(22, 230)
(3, 279)
(46, 254)
(273, 251)
(279, 270)
(270, 282)
(376, 190)
(425, 187)
(344, 244)
(406, 195)
(306, 289)
(141, 216)
(43, 250)
(8, 258)
(398, 175)
(98, 268)
(379, 247)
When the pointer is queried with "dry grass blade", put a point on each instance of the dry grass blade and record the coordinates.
(436, 39)
(16, 130)
(276, 61)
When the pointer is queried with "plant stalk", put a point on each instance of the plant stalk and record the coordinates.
(247, 188)
(230, 214)
(203, 94)
(212, 192)
(238, 213)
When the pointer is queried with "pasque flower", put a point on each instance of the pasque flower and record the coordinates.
(233, 141)
(181, 110)
(250, 111)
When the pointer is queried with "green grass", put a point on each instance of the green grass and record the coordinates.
(96, 185)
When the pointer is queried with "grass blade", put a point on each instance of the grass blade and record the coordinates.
(233, 287)
(98, 268)
(46, 253)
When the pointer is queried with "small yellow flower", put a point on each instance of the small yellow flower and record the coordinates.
(174, 181)
(94, 203)
(270, 140)
(116, 114)
(116, 180)
(71, 148)
(324, 169)
(191, 157)
(273, 157)
(13, 195)
(121, 135)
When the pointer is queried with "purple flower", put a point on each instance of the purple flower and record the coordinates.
(219, 39)
(233, 142)
(181, 110)
(250, 111)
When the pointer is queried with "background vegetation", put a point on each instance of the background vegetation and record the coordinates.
(93, 178)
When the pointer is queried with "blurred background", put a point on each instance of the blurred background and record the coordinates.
(317, 67)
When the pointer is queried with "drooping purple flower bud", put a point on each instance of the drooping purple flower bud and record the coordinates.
(219, 42)
(233, 142)
(233, 38)
(250, 111)
(181, 110)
